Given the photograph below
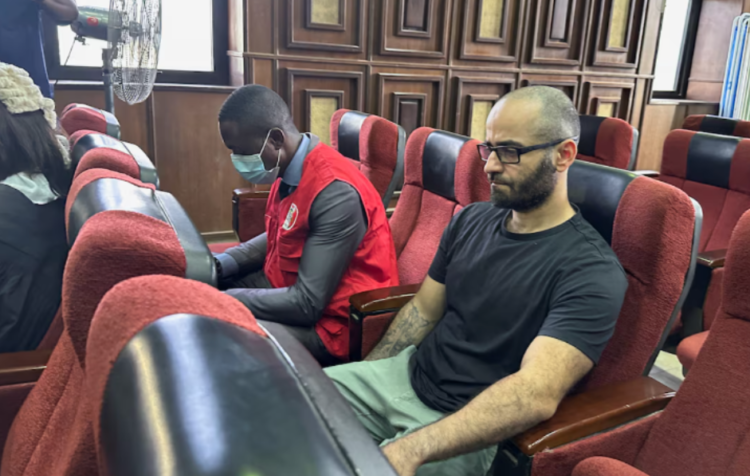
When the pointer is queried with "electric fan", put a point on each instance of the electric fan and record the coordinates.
(132, 30)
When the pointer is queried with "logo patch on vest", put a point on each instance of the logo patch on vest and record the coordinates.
(291, 217)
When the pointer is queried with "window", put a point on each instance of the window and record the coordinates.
(675, 50)
(193, 47)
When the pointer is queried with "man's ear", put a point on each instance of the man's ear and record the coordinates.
(276, 138)
(566, 154)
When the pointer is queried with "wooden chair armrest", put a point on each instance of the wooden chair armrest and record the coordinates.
(244, 193)
(383, 300)
(712, 259)
(647, 173)
(22, 367)
(598, 410)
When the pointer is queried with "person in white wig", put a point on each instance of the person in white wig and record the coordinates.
(35, 177)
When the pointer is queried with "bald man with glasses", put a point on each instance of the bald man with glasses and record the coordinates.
(519, 303)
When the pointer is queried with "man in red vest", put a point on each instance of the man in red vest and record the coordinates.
(327, 236)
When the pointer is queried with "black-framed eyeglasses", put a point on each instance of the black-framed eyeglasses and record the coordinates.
(512, 155)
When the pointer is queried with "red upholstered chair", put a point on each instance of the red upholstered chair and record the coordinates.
(111, 247)
(704, 429)
(443, 174)
(175, 337)
(375, 145)
(76, 117)
(608, 141)
(717, 125)
(715, 171)
(91, 150)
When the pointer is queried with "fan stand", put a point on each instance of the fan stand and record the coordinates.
(109, 95)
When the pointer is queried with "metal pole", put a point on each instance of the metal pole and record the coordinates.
(109, 96)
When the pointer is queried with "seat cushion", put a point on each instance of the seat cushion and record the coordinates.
(601, 466)
(689, 348)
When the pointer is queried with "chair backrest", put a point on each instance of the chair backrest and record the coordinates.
(715, 171)
(375, 145)
(100, 151)
(99, 190)
(190, 332)
(608, 141)
(443, 174)
(112, 246)
(76, 117)
(710, 414)
(653, 229)
(717, 125)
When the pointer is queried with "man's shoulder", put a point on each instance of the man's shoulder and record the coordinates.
(591, 249)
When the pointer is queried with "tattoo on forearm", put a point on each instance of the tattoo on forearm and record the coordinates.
(409, 328)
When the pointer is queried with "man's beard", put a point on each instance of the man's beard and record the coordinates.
(529, 194)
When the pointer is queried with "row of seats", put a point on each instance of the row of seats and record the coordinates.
(653, 228)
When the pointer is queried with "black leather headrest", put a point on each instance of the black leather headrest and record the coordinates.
(589, 132)
(92, 141)
(349, 128)
(439, 162)
(718, 125)
(709, 158)
(597, 191)
(112, 194)
(223, 400)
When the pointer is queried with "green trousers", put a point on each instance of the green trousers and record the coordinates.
(381, 395)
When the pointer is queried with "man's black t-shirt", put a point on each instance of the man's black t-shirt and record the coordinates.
(502, 290)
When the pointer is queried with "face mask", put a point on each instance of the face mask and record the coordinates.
(251, 167)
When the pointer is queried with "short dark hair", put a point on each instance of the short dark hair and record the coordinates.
(258, 109)
(28, 144)
(558, 116)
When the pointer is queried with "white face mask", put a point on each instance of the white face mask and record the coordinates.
(252, 169)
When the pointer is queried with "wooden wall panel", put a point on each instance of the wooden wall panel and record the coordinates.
(330, 26)
(473, 93)
(618, 27)
(411, 100)
(194, 164)
(412, 29)
(302, 82)
(607, 97)
(557, 29)
(261, 21)
(490, 30)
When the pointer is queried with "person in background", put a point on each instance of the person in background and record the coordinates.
(35, 176)
(327, 235)
(21, 38)
(522, 297)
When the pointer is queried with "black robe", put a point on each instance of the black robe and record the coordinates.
(33, 250)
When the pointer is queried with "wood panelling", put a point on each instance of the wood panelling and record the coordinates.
(711, 48)
(320, 107)
(557, 31)
(413, 28)
(261, 25)
(619, 29)
(490, 30)
(473, 89)
(612, 98)
(301, 80)
(302, 32)
(411, 100)
(193, 163)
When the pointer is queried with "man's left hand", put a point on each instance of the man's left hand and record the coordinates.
(403, 459)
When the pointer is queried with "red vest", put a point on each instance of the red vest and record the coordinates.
(374, 263)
